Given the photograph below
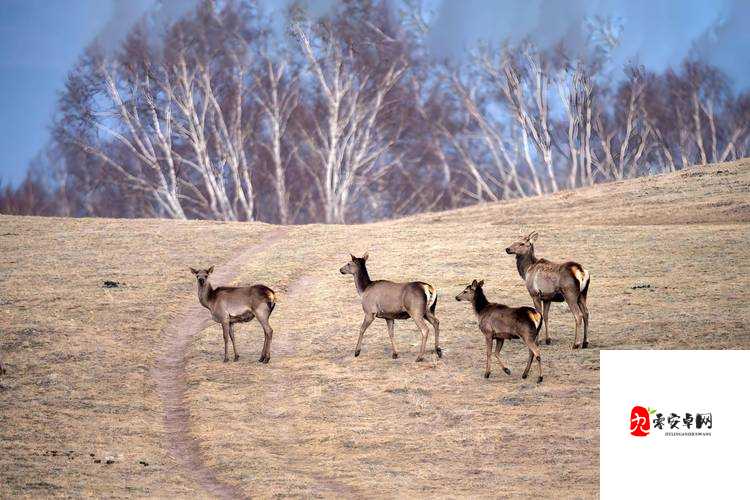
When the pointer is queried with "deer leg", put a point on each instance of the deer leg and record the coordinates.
(487, 367)
(528, 364)
(425, 333)
(231, 336)
(265, 356)
(578, 315)
(499, 346)
(265, 348)
(545, 317)
(534, 348)
(369, 317)
(585, 310)
(538, 304)
(391, 326)
(225, 331)
(436, 325)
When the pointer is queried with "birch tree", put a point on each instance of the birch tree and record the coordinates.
(347, 142)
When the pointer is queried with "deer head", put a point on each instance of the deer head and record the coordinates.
(470, 291)
(355, 265)
(523, 246)
(202, 274)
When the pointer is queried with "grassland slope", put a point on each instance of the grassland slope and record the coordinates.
(668, 260)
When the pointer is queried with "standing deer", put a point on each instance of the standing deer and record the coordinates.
(237, 304)
(392, 301)
(549, 282)
(499, 322)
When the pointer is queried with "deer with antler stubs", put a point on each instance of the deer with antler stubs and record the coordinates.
(237, 304)
(549, 282)
(391, 301)
(499, 323)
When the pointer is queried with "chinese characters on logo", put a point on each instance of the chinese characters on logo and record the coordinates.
(676, 424)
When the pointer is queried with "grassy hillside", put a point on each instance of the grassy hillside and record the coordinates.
(668, 262)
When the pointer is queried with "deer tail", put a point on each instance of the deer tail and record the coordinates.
(536, 318)
(271, 300)
(430, 295)
(582, 275)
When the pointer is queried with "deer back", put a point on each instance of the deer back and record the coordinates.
(392, 299)
(550, 278)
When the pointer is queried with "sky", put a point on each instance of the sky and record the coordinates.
(40, 40)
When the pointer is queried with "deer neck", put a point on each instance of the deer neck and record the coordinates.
(479, 301)
(524, 262)
(205, 293)
(362, 280)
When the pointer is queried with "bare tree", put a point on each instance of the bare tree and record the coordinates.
(277, 93)
(350, 146)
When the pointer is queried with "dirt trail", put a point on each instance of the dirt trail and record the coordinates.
(169, 374)
(299, 289)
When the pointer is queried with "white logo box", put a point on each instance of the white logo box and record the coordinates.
(668, 463)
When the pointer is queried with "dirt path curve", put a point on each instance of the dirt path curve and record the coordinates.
(169, 374)
(323, 486)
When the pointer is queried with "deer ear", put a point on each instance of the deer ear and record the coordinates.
(480, 284)
(533, 236)
(352, 256)
(474, 283)
(210, 269)
(194, 271)
(366, 256)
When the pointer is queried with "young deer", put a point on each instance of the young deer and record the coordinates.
(500, 323)
(392, 301)
(237, 304)
(549, 282)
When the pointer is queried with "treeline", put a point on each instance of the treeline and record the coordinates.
(351, 118)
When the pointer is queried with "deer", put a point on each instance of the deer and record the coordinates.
(391, 301)
(499, 322)
(549, 282)
(237, 304)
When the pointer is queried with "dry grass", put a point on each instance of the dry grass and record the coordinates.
(316, 421)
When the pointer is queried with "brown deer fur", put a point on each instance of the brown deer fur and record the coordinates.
(499, 322)
(392, 301)
(549, 282)
(237, 304)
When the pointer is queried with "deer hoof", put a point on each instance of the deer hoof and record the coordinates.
(486, 374)
(507, 370)
(439, 352)
(356, 353)
(236, 357)
(539, 380)
(226, 360)
(419, 359)
(576, 346)
(266, 360)
(524, 375)
(394, 355)
(585, 344)
(548, 341)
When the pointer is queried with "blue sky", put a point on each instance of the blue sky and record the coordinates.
(40, 40)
